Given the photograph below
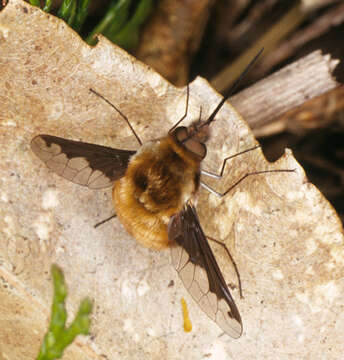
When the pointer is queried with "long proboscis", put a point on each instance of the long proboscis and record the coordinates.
(230, 93)
(233, 88)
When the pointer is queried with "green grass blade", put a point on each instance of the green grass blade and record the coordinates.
(81, 14)
(58, 336)
(72, 13)
(48, 5)
(66, 10)
(115, 18)
(128, 37)
(35, 3)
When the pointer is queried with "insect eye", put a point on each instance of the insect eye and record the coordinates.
(195, 146)
(181, 133)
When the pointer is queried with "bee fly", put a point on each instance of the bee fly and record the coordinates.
(153, 190)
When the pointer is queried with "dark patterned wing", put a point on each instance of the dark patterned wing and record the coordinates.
(85, 164)
(200, 273)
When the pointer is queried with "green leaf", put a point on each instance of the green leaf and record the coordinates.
(112, 22)
(81, 14)
(128, 37)
(48, 5)
(67, 11)
(35, 3)
(58, 336)
(115, 25)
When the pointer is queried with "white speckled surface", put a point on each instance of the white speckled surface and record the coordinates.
(286, 239)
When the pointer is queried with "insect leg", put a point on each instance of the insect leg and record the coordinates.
(120, 112)
(210, 189)
(241, 179)
(104, 221)
(219, 176)
(186, 110)
(232, 261)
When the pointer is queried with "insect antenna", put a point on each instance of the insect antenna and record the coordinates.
(119, 111)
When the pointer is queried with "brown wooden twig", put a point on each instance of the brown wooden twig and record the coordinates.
(293, 18)
(258, 10)
(266, 101)
(333, 17)
(315, 113)
(172, 36)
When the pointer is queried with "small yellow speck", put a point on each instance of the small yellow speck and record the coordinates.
(187, 321)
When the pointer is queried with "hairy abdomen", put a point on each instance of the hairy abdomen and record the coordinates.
(159, 180)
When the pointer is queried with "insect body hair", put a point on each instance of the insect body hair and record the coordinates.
(160, 179)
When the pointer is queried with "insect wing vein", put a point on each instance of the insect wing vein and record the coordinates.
(197, 267)
(90, 165)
